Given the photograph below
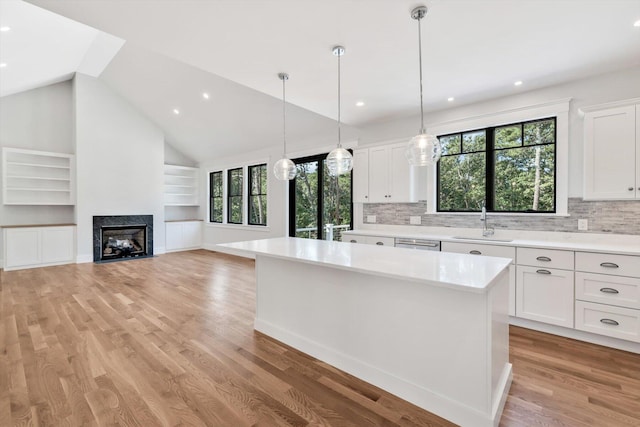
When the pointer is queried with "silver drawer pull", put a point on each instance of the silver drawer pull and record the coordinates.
(609, 322)
(474, 252)
(609, 290)
(609, 265)
(544, 258)
(543, 272)
(353, 241)
(379, 243)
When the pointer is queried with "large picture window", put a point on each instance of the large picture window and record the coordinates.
(234, 196)
(510, 168)
(215, 196)
(258, 194)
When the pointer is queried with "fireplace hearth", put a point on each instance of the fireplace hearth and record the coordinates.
(121, 237)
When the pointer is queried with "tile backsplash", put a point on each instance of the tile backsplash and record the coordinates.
(615, 217)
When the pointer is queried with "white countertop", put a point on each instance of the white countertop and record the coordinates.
(459, 271)
(619, 244)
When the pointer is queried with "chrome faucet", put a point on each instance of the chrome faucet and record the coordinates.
(486, 231)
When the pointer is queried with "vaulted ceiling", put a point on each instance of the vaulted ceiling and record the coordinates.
(473, 50)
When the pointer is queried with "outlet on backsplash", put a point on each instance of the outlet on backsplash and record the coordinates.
(415, 220)
(583, 224)
(371, 219)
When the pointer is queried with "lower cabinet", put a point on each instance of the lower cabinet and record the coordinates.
(545, 295)
(29, 247)
(183, 235)
(369, 240)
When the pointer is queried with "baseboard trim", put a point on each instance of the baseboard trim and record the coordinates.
(83, 259)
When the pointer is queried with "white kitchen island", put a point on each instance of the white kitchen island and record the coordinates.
(429, 327)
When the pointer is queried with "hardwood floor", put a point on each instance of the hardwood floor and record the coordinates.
(169, 341)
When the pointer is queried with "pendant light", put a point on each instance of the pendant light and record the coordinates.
(284, 169)
(339, 160)
(423, 149)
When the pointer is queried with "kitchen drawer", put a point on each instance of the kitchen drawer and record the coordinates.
(607, 289)
(546, 258)
(618, 265)
(354, 238)
(480, 249)
(608, 320)
(381, 241)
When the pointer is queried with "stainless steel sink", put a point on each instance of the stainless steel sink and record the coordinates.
(481, 239)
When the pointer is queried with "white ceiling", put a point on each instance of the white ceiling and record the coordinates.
(175, 49)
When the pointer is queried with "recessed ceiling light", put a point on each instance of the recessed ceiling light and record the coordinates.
(205, 95)
(5, 29)
(360, 104)
(518, 83)
(176, 111)
(3, 64)
(450, 99)
(637, 23)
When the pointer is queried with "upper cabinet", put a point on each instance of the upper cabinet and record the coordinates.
(382, 175)
(612, 151)
(32, 177)
(180, 186)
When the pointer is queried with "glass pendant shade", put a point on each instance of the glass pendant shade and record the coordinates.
(339, 161)
(285, 169)
(423, 150)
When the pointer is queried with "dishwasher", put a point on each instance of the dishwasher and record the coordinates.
(424, 245)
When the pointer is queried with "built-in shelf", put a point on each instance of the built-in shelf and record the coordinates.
(32, 177)
(180, 186)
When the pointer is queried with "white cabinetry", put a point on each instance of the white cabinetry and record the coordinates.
(544, 286)
(489, 250)
(361, 175)
(37, 177)
(369, 240)
(38, 246)
(612, 152)
(180, 186)
(608, 294)
(183, 235)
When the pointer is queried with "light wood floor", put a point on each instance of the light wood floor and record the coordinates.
(169, 341)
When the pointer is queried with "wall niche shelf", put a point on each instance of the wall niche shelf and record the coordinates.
(32, 177)
(180, 186)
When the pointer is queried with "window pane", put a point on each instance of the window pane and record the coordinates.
(507, 137)
(542, 132)
(258, 210)
(216, 210)
(524, 179)
(450, 144)
(235, 210)
(474, 141)
(462, 182)
(306, 188)
(336, 204)
(216, 184)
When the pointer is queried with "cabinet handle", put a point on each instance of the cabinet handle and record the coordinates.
(609, 290)
(474, 252)
(379, 243)
(608, 265)
(366, 197)
(544, 258)
(353, 241)
(609, 322)
(543, 272)
(630, 188)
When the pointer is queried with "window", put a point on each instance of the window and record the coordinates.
(511, 168)
(234, 196)
(215, 196)
(258, 194)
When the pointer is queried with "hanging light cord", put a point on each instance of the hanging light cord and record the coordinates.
(284, 121)
(339, 140)
(422, 130)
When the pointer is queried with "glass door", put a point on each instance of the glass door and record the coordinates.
(320, 205)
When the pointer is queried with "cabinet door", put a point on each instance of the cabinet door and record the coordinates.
(173, 236)
(399, 174)
(378, 175)
(361, 176)
(545, 295)
(191, 234)
(609, 165)
(57, 244)
(22, 247)
(638, 151)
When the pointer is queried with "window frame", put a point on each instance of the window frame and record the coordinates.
(212, 198)
(490, 163)
(250, 194)
(231, 196)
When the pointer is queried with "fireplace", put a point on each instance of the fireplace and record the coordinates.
(120, 237)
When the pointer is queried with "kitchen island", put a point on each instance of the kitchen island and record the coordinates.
(429, 327)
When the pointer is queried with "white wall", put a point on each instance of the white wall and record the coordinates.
(39, 119)
(594, 90)
(120, 158)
